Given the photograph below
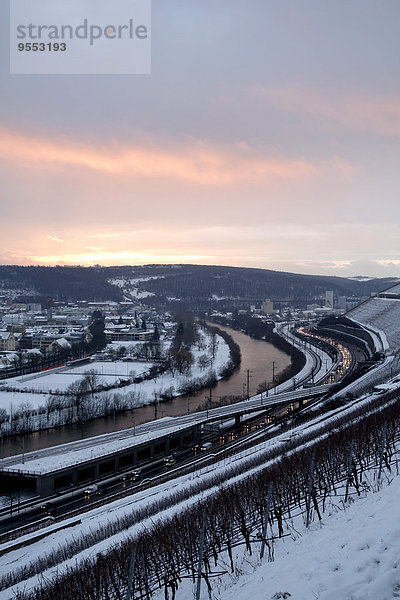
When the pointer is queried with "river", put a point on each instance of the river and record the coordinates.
(259, 357)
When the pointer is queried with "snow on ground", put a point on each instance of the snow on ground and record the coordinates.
(130, 346)
(109, 372)
(113, 368)
(353, 555)
(148, 390)
(130, 285)
(9, 401)
(60, 379)
(97, 517)
(378, 336)
(94, 519)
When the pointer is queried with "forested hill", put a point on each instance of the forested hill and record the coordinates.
(62, 283)
(197, 285)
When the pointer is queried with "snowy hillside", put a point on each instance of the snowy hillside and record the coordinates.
(352, 555)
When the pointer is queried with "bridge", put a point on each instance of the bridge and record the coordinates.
(73, 464)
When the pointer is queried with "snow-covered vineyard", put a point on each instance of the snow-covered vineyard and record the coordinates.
(352, 554)
(316, 471)
(243, 512)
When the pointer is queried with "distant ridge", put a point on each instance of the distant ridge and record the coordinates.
(198, 286)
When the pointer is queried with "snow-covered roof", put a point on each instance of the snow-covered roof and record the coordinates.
(63, 343)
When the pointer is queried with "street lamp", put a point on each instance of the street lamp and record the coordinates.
(208, 400)
(134, 421)
(273, 373)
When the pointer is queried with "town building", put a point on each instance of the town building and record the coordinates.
(267, 307)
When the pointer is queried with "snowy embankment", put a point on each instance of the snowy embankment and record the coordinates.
(353, 554)
(379, 374)
(30, 394)
(94, 520)
(206, 362)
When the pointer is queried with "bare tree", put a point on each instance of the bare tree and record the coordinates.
(203, 361)
(213, 345)
(90, 381)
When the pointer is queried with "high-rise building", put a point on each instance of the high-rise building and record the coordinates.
(329, 299)
(267, 307)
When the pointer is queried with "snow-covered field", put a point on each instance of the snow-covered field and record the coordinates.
(109, 373)
(130, 346)
(130, 285)
(174, 382)
(61, 378)
(9, 401)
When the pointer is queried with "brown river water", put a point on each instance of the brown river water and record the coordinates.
(257, 356)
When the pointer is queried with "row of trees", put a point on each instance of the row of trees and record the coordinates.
(66, 409)
(89, 397)
(329, 464)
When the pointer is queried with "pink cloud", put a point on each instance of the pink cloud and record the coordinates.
(195, 162)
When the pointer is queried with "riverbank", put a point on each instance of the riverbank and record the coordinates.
(261, 330)
(81, 394)
(257, 357)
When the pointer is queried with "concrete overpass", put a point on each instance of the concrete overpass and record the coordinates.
(76, 463)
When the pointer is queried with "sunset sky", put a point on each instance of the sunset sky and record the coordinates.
(267, 135)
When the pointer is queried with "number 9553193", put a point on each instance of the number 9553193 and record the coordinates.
(42, 47)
